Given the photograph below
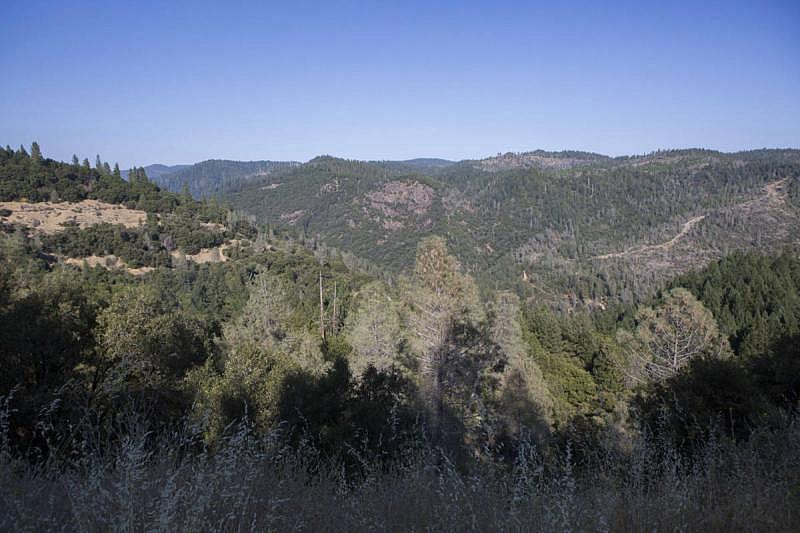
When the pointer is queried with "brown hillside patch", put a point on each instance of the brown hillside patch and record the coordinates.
(207, 255)
(213, 226)
(398, 201)
(411, 196)
(51, 217)
(293, 217)
(109, 262)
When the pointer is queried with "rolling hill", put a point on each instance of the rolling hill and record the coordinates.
(157, 170)
(216, 177)
(568, 227)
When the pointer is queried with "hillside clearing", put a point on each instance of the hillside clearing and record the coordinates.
(109, 262)
(685, 229)
(50, 217)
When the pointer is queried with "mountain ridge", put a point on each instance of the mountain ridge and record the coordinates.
(551, 222)
(588, 227)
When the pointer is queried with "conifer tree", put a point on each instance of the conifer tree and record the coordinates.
(36, 153)
(672, 335)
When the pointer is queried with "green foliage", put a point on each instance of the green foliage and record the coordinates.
(755, 298)
(705, 397)
(137, 247)
(549, 221)
(145, 336)
(47, 330)
(36, 179)
(672, 334)
(289, 342)
(584, 368)
(216, 177)
(777, 372)
(373, 328)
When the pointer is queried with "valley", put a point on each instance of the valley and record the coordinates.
(591, 227)
(343, 317)
(400, 267)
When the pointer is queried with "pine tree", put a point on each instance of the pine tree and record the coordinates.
(526, 397)
(117, 173)
(373, 328)
(36, 153)
(673, 334)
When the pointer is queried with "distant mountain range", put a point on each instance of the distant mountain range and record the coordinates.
(213, 177)
(157, 170)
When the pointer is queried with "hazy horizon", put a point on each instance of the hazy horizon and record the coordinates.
(182, 83)
(485, 156)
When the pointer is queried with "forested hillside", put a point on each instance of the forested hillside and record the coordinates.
(230, 374)
(570, 227)
(155, 171)
(216, 177)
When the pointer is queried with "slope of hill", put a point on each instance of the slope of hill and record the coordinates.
(130, 351)
(217, 176)
(157, 170)
(420, 164)
(539, 159)
(568, 226)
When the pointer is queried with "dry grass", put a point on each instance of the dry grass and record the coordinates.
(258, 485)
(109, 262)
(208, 255)
(50, 217)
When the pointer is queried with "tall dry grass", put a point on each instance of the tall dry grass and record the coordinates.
(170, 482)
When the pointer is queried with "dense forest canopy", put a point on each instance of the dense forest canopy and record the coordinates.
(281, 347)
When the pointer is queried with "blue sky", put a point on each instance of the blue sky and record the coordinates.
(176, 82)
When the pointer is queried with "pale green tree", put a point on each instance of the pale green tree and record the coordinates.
(373, 328)
(443, 328)
(524, 393)
(265, 323)
(668, 337)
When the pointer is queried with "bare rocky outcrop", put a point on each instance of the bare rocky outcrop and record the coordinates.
(398, 203)
(394, 196)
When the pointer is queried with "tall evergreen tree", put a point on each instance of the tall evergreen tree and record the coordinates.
(36, 153)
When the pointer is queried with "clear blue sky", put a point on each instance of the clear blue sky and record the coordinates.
(175, 82)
